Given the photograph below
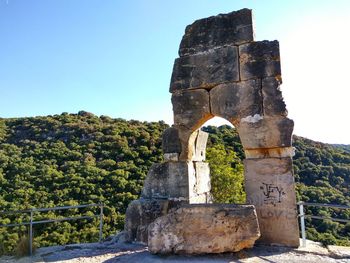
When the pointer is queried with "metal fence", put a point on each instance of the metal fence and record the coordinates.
(33, 222)
(302, 216)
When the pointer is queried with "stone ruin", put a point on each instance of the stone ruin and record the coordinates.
(221, 71)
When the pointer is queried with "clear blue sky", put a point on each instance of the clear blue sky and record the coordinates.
(115, 57)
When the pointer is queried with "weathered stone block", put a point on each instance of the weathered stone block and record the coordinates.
(259, 59)
(191, 108)
(200, 146)
(205, 70)
(265, 132)
(168, 180)
(140, 213)
(273, 100)
(269, 185)
(201, 182)
(193, 144)
(225, 29)
(188, 143)
(233, 101)
(198, 229)
(171, 141)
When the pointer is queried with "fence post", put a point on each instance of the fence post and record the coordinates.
(31, 233)
(101, 222)
(302, 223)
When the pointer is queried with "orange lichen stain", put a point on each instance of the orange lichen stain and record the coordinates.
(268, 152)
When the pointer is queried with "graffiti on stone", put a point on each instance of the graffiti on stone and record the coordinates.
(277, 214)
(272, 193)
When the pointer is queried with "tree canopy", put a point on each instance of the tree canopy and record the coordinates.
(72, 159)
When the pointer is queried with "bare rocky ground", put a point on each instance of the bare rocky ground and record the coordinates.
(111, 251)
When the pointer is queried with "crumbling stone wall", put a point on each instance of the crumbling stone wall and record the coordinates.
(221, 71)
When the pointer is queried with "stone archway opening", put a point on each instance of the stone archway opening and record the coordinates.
(225, 155)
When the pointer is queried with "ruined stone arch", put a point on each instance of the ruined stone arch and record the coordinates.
(221, 71)
(265, 131)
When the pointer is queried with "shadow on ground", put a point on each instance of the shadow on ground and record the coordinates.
(256, 252)
(109, 252)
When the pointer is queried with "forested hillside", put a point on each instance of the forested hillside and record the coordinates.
(80, 158)
(345, 147)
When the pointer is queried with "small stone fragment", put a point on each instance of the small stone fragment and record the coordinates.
(205, 70)
(225, 29)
(201, 229)
(259, 59)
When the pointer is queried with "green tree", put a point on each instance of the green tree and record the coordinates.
(226, 171)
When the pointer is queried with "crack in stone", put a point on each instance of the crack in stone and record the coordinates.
(210, 111)
(239, 64)
(262, 97)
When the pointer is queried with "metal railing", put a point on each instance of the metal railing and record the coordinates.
(31, 222)
(302, 216)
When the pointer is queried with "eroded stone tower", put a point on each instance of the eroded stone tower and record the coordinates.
(221, 71)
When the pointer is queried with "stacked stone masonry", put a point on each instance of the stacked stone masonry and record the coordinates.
(221, 71)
